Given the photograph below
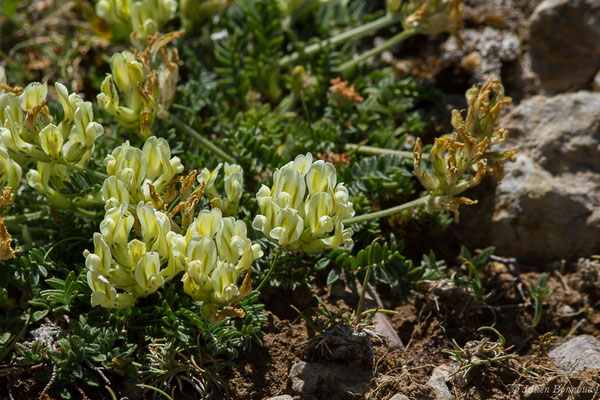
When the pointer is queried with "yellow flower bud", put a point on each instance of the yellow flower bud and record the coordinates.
(155, 226)
(208, 178)
(161, 167)
(224, 283)
(234, 182)
(207, 223)
(114, 192)
(100, 260)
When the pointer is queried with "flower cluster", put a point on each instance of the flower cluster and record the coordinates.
(30, 138)
(138, 18)
(142, 86)
(460, 161)
(219, 253)
(304, 208)
(428, 16)
(213, 252)
(138, 91)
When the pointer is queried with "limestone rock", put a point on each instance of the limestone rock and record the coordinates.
(548, 205)
(576, 354)
(563, 43)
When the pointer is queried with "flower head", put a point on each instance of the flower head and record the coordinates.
(305, 207)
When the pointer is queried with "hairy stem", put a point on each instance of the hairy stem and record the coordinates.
(376, 50)
(352, 34)
(203, 141)
(390, 211)
(11, 219)
(359, 148)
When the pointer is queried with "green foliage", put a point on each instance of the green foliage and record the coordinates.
(390, 268)
(475, 265)
(385, 176)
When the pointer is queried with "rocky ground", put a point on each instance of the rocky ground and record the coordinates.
(543, 218)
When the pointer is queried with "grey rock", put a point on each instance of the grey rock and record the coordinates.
(438, 380)
(282, 397)
(562, 133)
(548, 205)
(576, 354)
(540, 217)
(328, 378)
(563, 38)
(398, 397)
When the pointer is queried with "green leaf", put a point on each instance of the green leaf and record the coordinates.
(38, 315)
(9, 7)
(4, 338)
(333, 276)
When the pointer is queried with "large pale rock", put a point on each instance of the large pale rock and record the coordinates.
(563, 43)
(561, 133)
(576, 354)
(548, 205)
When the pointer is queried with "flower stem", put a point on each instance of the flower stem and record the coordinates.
(203, 141)
(269, 272)
(376, 50)
(390, 211)
(352, 34)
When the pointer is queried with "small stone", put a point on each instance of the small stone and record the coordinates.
(282, 397)
(328, 378)
(576, 354)
(438, 380)
(398, 397)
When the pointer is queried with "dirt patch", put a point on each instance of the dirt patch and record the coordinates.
(428, 322)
